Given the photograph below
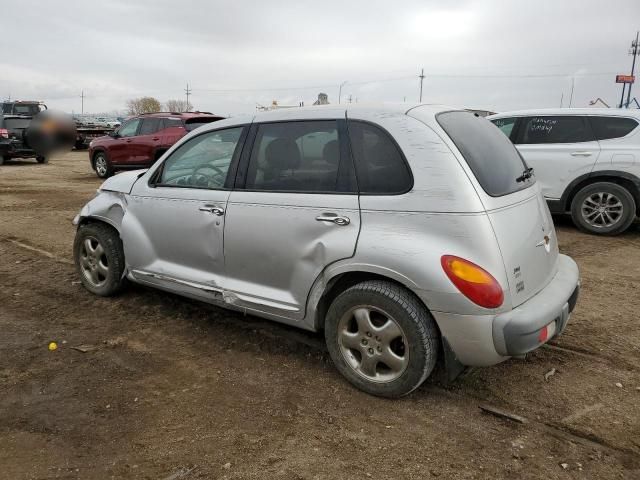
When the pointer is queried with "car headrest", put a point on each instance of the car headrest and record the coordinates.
(282, 154)
(331, 152)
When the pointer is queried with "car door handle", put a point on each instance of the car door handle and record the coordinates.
(212, 209)
(155, 138)
(581, 154)
(333, 218)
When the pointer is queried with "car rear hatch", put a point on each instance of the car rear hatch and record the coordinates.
(16, 126)
(518, 213)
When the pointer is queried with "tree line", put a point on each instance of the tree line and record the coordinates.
(138, 106)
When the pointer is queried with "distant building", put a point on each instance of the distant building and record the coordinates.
(323, 99)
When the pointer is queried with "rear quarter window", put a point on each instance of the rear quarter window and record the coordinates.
(493, 159)
(380, 166)
(606, 128)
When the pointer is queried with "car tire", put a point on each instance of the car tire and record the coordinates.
(377, 321)
(99, 259)
(603, 208)
(101, 165)
(1, 160)
(42, 159)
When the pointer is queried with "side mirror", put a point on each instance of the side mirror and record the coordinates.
(114, 134)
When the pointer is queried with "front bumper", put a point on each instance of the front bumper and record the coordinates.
(542, 317)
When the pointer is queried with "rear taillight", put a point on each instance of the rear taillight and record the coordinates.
(473, 281)
(4, 133)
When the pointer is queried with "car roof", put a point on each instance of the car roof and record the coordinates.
(329, 112)
(184, 115)
(610, 112)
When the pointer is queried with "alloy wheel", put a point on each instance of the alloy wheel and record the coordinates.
(602, 210)
(101, 165)
(93, 262)
(373, 344)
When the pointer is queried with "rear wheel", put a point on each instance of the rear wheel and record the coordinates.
(603, 208)
(42, 159)
(99, 258)
(381, 338)
(1, 160)
(101, 165)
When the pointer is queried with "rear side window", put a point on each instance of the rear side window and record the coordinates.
(150, 125)
(193, 123)
(380, 166)
(554, 129)
(606, 128)
(505, 125)
(172, 122)
(295, 157)
(494, 160)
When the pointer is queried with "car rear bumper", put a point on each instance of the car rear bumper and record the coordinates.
(540, 318)
(483, 340)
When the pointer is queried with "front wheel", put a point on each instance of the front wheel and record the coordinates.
(99, 258)
(603, 208)
(42, 159)
(381, 338)
(101, 166)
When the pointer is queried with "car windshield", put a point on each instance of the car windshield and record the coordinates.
(494, 160)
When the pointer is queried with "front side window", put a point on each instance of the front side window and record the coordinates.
(380, 166)
(554, 129)
(606, 128)
(150, 126)
(492, 157)
(295, 157)
(505, 125)
(129, 129)
(203, 161)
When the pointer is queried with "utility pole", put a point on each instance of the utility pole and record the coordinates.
(421, 80)
(187, 91)
(82, 99)
(634, 52)
(573, 83)
(350, 98)
(624, 86)
(340, 90)
(561, 99)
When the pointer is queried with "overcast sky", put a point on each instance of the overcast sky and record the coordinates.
(491, 54)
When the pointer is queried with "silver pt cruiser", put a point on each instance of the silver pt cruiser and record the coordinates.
(408, 235)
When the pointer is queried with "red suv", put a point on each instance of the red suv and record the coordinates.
(142, 140)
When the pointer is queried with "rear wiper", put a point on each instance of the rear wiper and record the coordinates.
(526, 175)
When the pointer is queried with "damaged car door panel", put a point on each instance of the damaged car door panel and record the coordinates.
(399, 232)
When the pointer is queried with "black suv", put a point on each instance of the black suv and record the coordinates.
(15, 120)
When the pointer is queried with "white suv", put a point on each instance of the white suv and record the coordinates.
(586, 160)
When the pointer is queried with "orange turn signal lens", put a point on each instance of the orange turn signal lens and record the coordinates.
(473, 281)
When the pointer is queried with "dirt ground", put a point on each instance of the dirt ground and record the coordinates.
(171, 388)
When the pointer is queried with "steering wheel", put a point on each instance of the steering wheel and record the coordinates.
(216, 178)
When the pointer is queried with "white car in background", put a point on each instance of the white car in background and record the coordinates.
(586, 160)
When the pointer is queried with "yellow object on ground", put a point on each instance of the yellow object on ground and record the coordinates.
(53, 346)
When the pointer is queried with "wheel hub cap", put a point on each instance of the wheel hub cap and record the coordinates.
(373, 344)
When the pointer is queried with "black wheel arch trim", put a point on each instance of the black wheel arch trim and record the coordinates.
(562, 205)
